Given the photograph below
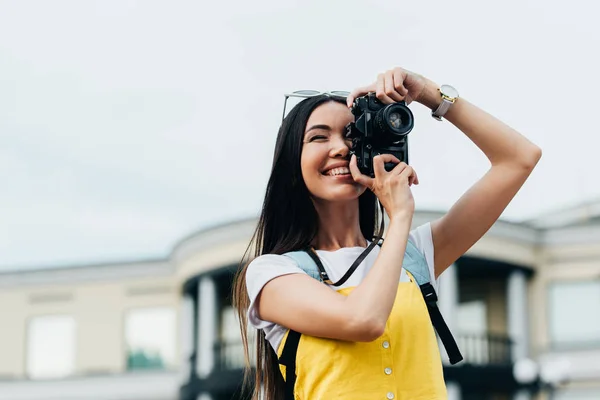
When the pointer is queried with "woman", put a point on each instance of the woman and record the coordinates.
(370, 338)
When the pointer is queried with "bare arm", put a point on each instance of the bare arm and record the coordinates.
(512, 159)
(511, 155)
(305, 305)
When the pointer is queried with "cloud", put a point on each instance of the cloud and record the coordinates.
(124, 126)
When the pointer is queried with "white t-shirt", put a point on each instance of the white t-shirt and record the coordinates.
(269, 266)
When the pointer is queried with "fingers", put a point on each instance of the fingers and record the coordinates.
(409, 174)
(413, 179)
(392, 89)
(398, 75)
(359, 92)
(358, 176)
(380, 91)
(402, 171)
(379, 166)
(389, 88)
(405, 171)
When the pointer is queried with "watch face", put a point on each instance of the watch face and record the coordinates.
(449, 91)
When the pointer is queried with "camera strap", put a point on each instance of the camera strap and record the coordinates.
(323, 274)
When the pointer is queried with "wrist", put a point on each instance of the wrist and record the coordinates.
(401, 218)
(430, 96)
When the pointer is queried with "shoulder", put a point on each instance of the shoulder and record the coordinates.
(270, 260)
(267, 267)
(421, 237)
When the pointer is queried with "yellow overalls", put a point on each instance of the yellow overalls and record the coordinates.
(403, 364)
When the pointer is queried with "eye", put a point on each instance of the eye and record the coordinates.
(318, 137)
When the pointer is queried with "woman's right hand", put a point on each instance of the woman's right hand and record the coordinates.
(391, 188)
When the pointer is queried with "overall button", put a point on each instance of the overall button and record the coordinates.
(390, 395)
(386, 344)
(388, 371)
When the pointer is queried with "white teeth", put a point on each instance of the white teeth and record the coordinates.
(338, 171)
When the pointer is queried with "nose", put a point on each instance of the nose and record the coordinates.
(340, 147)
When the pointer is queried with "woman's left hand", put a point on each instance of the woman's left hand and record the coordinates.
(392, 86)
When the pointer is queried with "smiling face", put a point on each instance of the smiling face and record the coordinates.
(325, 154)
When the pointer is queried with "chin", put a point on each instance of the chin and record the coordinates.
(349, 193)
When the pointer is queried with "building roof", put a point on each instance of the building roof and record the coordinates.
(583, 214)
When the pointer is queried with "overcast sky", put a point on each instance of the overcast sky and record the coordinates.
(127, 125)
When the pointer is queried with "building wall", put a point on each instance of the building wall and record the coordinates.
(99, 297)
(568, 256)
(559, 263)
(98, 308)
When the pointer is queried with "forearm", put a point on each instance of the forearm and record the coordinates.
(499, 142)
(373, 299)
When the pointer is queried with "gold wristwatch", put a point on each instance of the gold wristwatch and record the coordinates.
(449, 96)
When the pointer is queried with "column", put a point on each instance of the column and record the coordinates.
(448, 303)
(517, 315)
(186, 336)
(454, 391)
(207, 326)
(517, 307)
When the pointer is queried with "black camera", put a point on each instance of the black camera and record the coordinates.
(377, 129)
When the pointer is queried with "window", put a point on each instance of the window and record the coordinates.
(50, 347)
(232, 349)
(573, 316)
(472, 317)
(150, 338)
(472, 324)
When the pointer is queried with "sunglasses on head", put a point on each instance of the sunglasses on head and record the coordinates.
(305, 94)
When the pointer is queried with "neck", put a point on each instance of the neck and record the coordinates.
(339, 226)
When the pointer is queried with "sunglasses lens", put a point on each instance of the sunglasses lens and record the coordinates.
(340, 93)
(307, 92)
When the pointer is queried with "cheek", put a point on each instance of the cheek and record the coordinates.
(308, 163)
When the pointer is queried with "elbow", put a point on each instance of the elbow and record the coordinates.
(366, 329)
(373, 332)
(531, 157)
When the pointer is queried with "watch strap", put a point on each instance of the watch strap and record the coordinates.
(442, 109)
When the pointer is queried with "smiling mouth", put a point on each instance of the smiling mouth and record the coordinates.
(342, 171)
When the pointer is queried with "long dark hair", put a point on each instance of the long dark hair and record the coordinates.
(288, 222)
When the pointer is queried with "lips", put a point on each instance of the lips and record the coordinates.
(336, 169)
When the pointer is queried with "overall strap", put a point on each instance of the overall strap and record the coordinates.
(290, 348)
(415, 263)
(309, 262)
(306, 263)
(439, 324)
(288, 358)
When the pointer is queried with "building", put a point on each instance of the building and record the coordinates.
(522, 304)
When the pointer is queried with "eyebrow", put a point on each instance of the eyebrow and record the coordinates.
(319, 126)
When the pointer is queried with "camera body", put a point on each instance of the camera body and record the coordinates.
(379, 129)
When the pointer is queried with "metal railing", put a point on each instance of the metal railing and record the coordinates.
(477, 349)
(229, 355)
(485, 349)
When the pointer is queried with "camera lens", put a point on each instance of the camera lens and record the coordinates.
(394, 119)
